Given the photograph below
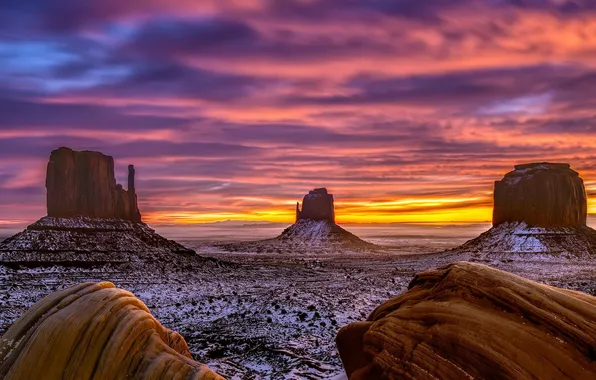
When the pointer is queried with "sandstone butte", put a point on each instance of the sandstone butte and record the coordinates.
(539, 213)
(83, 184)
(542, 195)
(316, 205)
(95, 331)
(469, 321)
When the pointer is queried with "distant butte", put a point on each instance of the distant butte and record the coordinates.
(315, 231)
(84, 184)
(91, 220)
(316, 205)
(539, 213)
(541, 194)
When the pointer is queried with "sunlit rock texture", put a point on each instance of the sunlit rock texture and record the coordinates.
(470, 321)
(95, 331)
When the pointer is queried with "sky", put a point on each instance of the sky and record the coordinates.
(406, 110)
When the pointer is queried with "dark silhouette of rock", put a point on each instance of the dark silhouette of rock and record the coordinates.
(317, 205)
(541, 194)
(83, 184)
(469, 321)
(95, 331)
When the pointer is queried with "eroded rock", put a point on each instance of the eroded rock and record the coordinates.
(469, 321)
(542, 195)
(317, 205)
(83, 184)
(95, 331)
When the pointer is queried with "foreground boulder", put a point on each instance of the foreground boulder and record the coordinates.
(95, 331)
(469, 321)
(83, 183)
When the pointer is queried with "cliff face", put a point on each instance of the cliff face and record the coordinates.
(317, 205)
(83, 183)
(542, 195)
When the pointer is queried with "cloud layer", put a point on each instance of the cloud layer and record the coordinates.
(405, 110)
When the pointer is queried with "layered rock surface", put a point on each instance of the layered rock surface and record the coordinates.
(83, 184)
(84, 241)
(540, 214)
(467, 320)
(95, 331)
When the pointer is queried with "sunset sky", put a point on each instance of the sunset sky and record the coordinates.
(406, 110)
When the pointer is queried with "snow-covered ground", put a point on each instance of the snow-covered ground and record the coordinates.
(275, 315)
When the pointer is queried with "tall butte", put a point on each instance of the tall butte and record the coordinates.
(316, 205)
(91, 220)
(84, 184)
(541, 194)
(540, 212)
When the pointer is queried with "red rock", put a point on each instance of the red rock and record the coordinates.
(541, 194)
(95, 331)
(470, 321)
(83, 183)
(317, 205)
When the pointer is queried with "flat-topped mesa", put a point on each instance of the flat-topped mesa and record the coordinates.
(83, 184)
(542, 195)
(316, 205)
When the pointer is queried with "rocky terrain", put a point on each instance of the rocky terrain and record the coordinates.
(261, 317)
(84, 241)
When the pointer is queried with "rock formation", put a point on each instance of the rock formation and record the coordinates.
(542, 195)
(95, 331)
(316, 205)
(91, 220)
(539, 214)
(469, 321)
(315, 231)
(83, 184)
